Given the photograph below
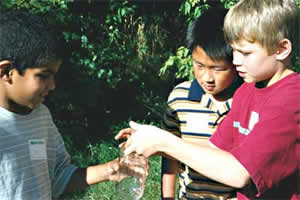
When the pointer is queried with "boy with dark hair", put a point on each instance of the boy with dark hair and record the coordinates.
(34, 163)
(256, 147)
(195, 108)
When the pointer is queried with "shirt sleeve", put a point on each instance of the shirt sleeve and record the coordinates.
(59, 162)
(170, 119)
(63, 169)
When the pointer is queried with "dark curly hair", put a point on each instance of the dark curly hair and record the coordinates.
(26, 40)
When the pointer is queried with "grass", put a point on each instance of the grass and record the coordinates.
(101, 153)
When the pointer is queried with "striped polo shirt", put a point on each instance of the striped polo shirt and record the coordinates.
(193, 115)
(34, 163)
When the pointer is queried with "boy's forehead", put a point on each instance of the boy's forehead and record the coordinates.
(200, 56)
(244, 44)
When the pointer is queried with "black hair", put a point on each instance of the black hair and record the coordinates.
(207, 33)
(26, 41)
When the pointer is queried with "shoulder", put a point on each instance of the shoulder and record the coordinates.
(244, 92)
(43, 110)
(184, 85)
(291, 82)
(244, 88)
(180, 91)
(287, 91)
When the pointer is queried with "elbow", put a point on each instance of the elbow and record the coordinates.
(242, 181)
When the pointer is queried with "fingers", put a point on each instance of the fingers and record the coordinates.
(124, 133)
(127, 133)
(122, 145)
(129, 149)
(134, 125)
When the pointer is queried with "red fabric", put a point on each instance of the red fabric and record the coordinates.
(270, 150)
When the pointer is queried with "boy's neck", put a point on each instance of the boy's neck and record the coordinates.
(274, 79)
(17, 109)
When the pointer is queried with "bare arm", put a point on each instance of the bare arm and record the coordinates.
(84, 177)
(230, 172)
(169, 172)
(149, 140)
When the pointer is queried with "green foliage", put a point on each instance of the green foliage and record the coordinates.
(193, 8)
(183, 61)
(296, 64)
(36, 6)
(228, 3)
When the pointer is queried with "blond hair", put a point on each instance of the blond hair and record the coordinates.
(263, 21)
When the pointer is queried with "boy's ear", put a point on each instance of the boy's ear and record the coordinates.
(5, 67)
(284, 49)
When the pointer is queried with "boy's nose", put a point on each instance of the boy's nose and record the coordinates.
(237, 59)
(208, 76)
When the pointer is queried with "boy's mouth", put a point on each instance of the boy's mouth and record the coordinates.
(209, 87)
(242, 74)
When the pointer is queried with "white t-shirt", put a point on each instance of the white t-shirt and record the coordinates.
(34, 163)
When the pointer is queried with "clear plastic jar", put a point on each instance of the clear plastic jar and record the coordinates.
(133, 173)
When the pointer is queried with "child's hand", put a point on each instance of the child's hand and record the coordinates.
(113, 168)
(143, 139)
(124, 133)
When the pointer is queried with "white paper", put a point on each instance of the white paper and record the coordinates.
(37, 149)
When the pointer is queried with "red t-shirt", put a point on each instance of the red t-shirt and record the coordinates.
(262, 131)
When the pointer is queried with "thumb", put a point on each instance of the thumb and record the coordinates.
(128, 150)
(134, 125)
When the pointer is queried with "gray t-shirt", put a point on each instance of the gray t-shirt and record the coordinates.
(34, 163)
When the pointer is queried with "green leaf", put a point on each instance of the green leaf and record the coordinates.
(187, 8)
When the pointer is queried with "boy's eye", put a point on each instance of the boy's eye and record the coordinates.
(245, 53)
(220, 68)
(198, 65)
(43, 76)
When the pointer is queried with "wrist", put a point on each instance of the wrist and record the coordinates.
(169, 143)
(111, 169)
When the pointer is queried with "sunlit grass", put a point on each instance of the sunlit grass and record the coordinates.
(103, 152)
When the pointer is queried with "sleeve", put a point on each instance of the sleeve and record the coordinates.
(170, 119)
(63, 169)
(59, 162)
(270, 151)
(223, 137)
